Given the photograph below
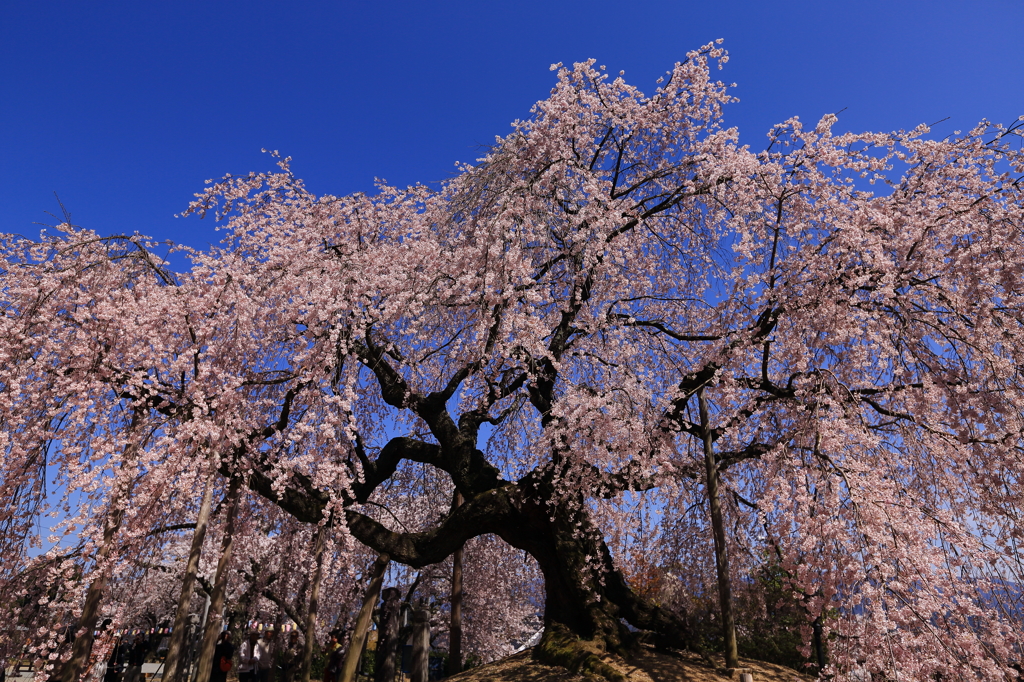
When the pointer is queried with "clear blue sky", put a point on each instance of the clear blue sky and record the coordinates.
(125, 108)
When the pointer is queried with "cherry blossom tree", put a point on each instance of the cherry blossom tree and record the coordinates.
(537, 333)
(541, 325)
(61, 296)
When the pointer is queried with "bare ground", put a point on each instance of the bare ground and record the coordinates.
(647, 666)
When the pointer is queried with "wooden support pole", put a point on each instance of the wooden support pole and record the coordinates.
(358, 639)
(455, 631)
(314, 602)
(173, 659)
(718, 529)
(214, 618)
(420, 644)
(387, 636)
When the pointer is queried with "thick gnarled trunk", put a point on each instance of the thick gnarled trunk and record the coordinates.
(586, 595)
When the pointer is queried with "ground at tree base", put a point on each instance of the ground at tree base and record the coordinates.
(647, 666)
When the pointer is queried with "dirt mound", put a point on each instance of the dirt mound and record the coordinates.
(647, 666)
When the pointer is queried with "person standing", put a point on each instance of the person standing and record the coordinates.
(247, 658)
(115, 664)
(223, 658)
(335, 656)
(101, 649)
(136, 657)
(291, 658)
(264, 656)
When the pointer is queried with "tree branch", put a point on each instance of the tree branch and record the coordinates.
(478, 515)
(168, 529)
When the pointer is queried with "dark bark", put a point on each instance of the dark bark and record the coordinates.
(588, 598)
(818, 641)
(586, 594)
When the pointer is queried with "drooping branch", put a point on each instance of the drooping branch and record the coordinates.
(674, 419)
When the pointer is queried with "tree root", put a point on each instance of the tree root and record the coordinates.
(561, 647)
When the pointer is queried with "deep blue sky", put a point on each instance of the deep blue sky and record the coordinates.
(125, 108)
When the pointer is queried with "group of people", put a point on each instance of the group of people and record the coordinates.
(114, 659)
(257, 658)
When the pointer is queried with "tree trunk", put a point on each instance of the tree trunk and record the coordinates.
(86, 626)
(314, 602)
(587, 597)
(171, 662)
(819, 644)
(387, 636)
(355, 645)
(455, 632)
(583, 613)
(214, 619)
(718, 529)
